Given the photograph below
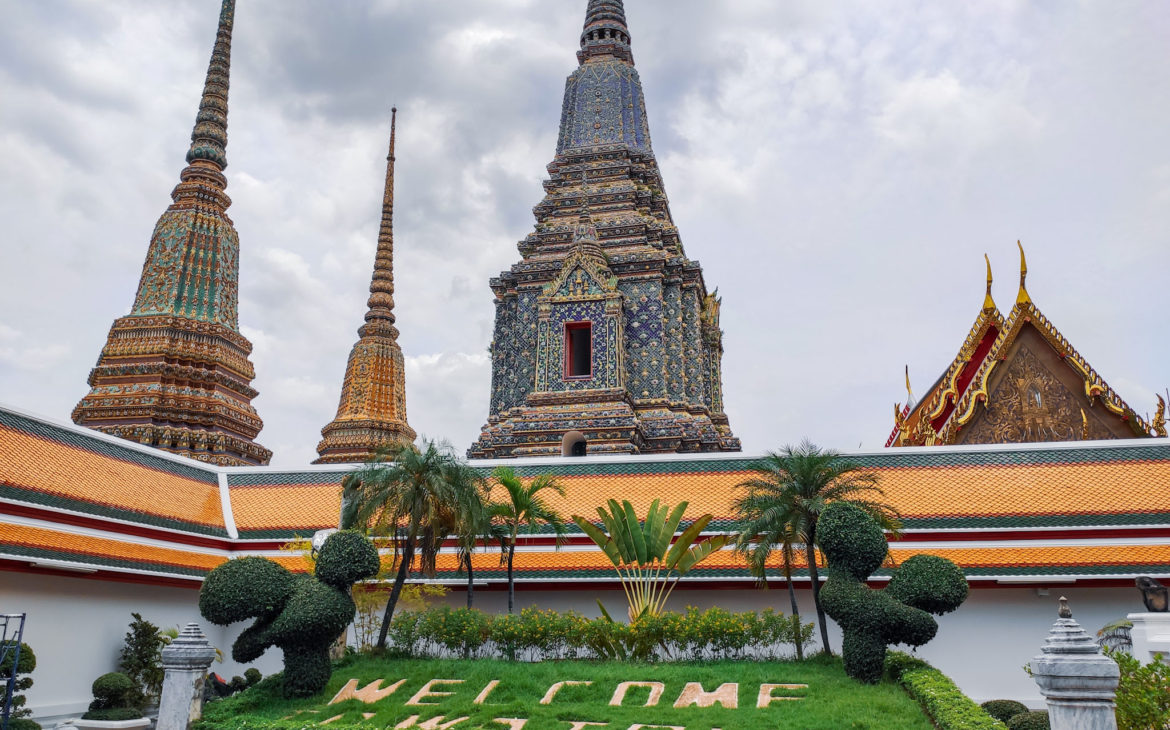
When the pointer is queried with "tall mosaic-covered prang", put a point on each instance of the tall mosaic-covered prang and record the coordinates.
(174, 373)
(372, 411)
(606, 339)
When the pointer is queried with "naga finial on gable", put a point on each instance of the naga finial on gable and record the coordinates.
(1022, 297)
(1159, 422)
(988, 302)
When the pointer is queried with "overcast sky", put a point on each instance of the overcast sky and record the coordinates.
(839, 169)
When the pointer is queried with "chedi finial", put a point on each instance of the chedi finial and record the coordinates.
(209, 137)
(605, 32)
(381, 301)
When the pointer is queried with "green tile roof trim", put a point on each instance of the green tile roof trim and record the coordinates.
(98, 561)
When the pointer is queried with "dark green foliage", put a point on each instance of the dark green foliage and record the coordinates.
(855, 546)
(1004, 710)
(245, 588)
(1029, 721)
(1143, 700)
(300, 615)
(22, 723)
(141, 660)
(350, 558)
(114, 698)
(25, 666)
(113, 714)
(252, 676)
(855, 541)
(238, 684)
(949, 708)
(930, 583)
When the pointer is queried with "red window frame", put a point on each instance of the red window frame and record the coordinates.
(569, 327)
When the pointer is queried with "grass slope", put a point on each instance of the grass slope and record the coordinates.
(831, 702)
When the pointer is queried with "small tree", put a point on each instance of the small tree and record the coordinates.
(141, 660)
(524, 509)
(642, 552)
(17, 671)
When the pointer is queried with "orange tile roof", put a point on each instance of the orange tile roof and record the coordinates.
(47, 471)
(37, 542)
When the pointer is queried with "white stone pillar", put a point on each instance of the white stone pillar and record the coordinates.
(1151, 635)
(1077, 680)
(186, 661)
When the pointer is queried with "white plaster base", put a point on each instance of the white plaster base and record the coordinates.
(141, 722)
(1151, 635)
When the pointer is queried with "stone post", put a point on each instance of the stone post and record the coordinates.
(186, 661)
(1151, 635)
(1077, 680)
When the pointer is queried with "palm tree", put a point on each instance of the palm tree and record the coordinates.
(786, 498)
(524, 508)
(473, 524)
(759, 533)
(413, 495)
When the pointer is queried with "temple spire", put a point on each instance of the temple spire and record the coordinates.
(1022, 297)
(372, 411)
(381, 302)
(605, 33)
(209, 137)
(175, 372)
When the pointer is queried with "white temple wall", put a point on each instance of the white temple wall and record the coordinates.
(77, 626)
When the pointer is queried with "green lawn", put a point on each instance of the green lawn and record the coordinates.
(831, 701)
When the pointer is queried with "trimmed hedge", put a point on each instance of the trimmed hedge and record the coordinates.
(1004, 710)
(544, 635)
(1029, 721)
(942, 701)
(301, 615)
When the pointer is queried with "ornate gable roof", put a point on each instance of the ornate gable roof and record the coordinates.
(965, 391)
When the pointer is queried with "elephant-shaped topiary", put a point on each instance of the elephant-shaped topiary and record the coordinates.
(855, 547)
(302, 615)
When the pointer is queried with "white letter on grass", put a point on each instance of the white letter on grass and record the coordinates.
(426, 692)
(619, 694)
(552, 691)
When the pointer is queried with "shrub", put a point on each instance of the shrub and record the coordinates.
(1143, 696)
(11, 667)
(538, 635)
(942, 701)
(141, 660)
(252, 676)
(1004, 710)
(855, 546)
(114, 695)
(302, 615)
(238, 684)
(1032, 721)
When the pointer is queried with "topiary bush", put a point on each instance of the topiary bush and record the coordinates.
(18, 719)
(252, 676)
(301, 615)
(1004, 710)
(1029, 721)
(114, 698)
(855, 546)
